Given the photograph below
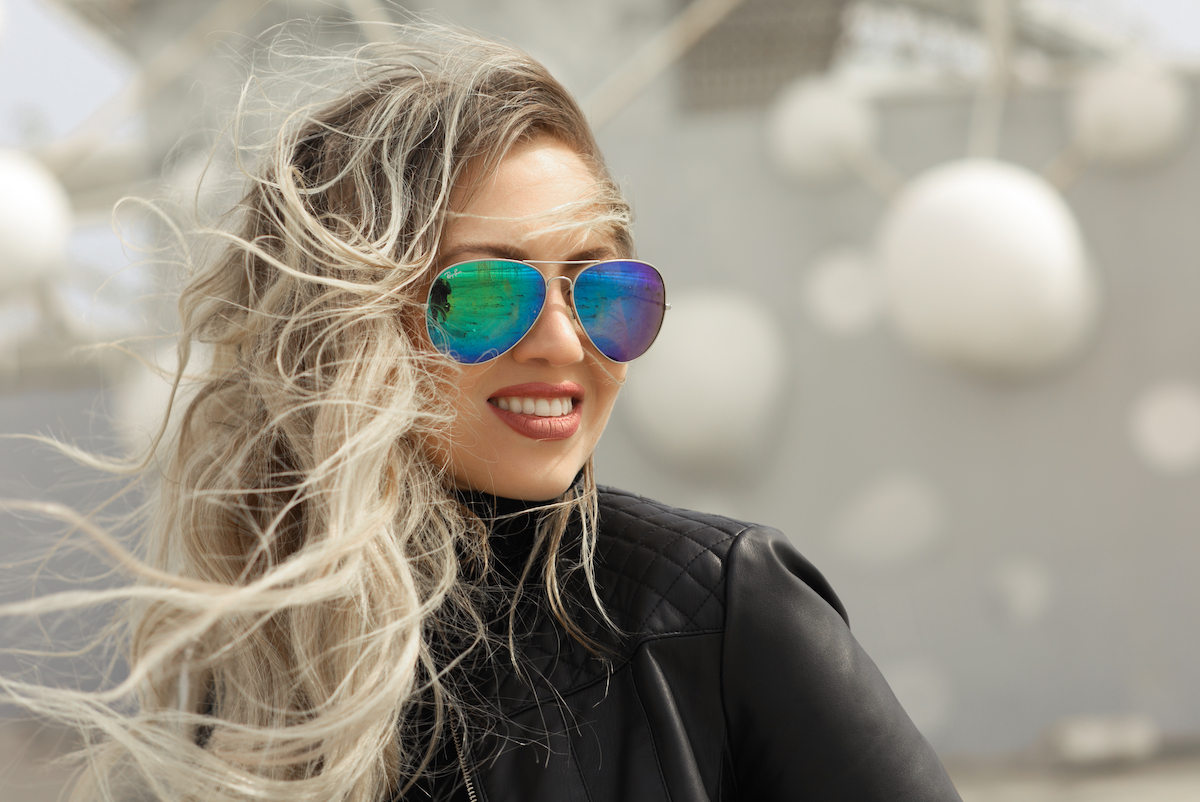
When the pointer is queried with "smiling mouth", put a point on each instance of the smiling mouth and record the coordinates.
(538, 407)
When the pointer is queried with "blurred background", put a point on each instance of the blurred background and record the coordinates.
(933, 268)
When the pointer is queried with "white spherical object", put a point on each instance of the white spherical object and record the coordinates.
(35, 220)
(984, 266)
(892, 519)
(705, 396)
(842, 293)
(1165, 426)
(817, 130)
(1129, 112)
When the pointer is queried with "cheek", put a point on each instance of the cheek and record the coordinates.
(460, 405)
(609, 380)
(466, 399)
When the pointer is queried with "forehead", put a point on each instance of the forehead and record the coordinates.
(540, 189)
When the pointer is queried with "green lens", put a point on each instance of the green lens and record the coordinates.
(479, 310)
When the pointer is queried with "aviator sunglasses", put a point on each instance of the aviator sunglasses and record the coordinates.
(479, 310)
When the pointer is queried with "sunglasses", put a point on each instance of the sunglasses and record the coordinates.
(479, 310)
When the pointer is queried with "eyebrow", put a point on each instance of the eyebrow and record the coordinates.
(502, 251)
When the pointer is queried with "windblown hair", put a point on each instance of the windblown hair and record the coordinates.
(307, 556)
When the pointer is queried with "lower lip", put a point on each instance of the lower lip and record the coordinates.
(559, 427)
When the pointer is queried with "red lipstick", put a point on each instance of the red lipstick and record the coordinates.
(559, 427)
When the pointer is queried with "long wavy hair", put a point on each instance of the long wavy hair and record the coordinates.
(306, 559)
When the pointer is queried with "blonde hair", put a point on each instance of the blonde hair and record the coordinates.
(306, 560)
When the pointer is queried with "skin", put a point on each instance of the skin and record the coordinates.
(510, 214)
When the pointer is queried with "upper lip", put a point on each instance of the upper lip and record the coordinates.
(541, 390)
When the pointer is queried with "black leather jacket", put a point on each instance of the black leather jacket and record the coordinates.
(736, 678)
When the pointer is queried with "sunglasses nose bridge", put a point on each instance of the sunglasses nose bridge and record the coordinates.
(568, 293)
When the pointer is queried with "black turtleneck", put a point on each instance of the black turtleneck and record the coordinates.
(511, 525)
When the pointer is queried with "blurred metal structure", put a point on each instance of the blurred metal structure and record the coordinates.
(739, 56)
(763, 44)
(1036, 26)
(757, 49)
(729, 55)
(750, 50)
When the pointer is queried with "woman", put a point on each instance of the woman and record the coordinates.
(379, 566)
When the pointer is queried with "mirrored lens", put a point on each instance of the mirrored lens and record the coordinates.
(620, 306)
(478, 310)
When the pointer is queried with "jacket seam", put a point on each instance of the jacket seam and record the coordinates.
(662, 777)
(727, 565)
(721, 768)
(579, 769)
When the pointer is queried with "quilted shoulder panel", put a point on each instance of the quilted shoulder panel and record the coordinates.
(661, 570)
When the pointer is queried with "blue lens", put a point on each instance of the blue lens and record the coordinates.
(620, 304)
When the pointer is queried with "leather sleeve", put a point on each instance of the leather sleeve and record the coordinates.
(809, 715)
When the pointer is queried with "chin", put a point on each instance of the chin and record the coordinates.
(532, 491)
(548, 486)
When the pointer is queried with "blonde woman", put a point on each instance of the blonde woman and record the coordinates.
(379, 566)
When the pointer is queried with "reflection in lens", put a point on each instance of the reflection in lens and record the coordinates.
(620, 306)
(479, 310)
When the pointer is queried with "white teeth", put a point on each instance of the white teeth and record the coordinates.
(542, 407)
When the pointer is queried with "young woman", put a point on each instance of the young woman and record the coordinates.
(379, 566)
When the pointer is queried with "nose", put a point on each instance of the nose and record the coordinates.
(554, 338)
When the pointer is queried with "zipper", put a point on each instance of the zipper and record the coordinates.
(460, 747)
